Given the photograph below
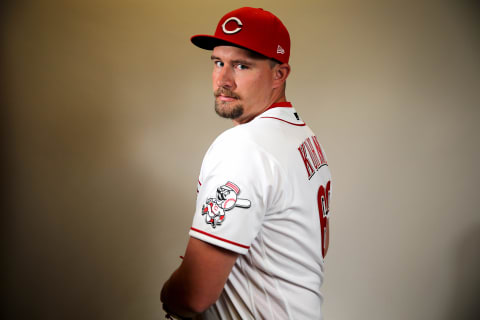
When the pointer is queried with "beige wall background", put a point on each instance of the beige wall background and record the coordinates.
(108, 111)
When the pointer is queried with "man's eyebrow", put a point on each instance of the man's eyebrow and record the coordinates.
(245, 62)
(236, 61)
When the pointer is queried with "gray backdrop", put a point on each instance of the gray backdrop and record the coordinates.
(108, 111)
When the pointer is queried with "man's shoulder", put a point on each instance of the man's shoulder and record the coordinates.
(240, 143)
(236, 136)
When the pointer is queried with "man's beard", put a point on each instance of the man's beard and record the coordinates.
(223, 109)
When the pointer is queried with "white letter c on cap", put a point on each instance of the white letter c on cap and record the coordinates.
(239, 23)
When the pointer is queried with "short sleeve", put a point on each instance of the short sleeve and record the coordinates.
(236, 185)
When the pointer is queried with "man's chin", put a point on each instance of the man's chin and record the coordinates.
(228, 109)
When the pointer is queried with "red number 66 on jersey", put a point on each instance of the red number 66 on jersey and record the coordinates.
(323, 199)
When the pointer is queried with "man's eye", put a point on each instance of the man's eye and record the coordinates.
(242, 67)
(218, 63)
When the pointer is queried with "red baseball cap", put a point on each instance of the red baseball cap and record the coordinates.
(251, 28)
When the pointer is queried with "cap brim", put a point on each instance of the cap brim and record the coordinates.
(209, 42)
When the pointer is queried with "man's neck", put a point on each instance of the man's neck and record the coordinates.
(282, 98)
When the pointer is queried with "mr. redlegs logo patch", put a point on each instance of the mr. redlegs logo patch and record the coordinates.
(214, 208)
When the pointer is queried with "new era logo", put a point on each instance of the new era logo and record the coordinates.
(280, 50)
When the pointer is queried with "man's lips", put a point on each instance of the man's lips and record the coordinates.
(226, 98)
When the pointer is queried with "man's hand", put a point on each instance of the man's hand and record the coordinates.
(199, 280)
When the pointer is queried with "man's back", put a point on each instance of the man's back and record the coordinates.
(282, 171)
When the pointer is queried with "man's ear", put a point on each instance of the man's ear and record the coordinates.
(280, 74)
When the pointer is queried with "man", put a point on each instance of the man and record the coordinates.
(260, 229)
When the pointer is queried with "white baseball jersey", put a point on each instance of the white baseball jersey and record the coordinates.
(264, 192)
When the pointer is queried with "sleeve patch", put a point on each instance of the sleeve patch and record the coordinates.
(226, 199)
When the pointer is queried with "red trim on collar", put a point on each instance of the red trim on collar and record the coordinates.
(294, 124)
(284, 104)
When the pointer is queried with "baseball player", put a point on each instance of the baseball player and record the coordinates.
(261, 227)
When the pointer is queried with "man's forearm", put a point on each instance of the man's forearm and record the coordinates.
(175, 299)
(193, 287)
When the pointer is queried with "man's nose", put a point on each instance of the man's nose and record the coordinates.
(225, 78)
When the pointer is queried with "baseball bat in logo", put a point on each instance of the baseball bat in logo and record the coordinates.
(239, 24)
(226, 199)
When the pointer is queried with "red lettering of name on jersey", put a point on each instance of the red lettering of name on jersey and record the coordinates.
(323, 159)
(307, 163)
(315, 158)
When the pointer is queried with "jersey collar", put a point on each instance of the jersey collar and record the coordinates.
(284, 112)
(284, 104)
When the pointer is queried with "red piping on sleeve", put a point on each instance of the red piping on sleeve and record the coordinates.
(218, 238)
